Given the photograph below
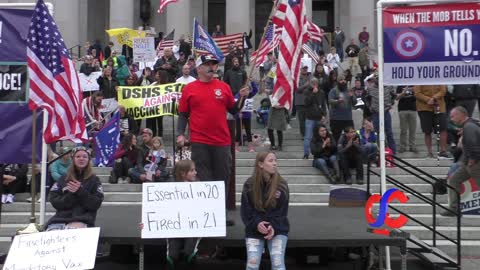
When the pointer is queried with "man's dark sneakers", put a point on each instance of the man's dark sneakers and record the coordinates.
(230, 223)
(443, 154)
(359, 181)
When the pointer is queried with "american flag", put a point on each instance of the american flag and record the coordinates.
(166, 42)
(267, 46)
(163, 5)
(54, 84)
(315, 33)
(306, 49)
(223, 42)
(290, 48)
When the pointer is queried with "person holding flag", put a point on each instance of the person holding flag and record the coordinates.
(204, 106)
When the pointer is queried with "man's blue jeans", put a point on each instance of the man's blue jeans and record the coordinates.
(309, 127)
(388, 129)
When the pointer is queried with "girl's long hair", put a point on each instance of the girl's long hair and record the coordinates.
(80, 175)
(181, 168)
(261, 181)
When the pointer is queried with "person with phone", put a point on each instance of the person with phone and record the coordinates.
(264, 211)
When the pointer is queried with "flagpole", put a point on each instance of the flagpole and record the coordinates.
(43, 174)
(32, 227)
(274, 9)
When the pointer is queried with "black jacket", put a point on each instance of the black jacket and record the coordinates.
(236, 78)
(316, 146)
(352, 50)
(315, 104)
(276, 216)
(246, 40)
(172, 71)
(108, 87)
(80, 206)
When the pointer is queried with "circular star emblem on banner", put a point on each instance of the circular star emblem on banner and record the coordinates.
(409, 44)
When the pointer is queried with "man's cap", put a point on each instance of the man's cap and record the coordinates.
(147, 131)
(205, 59)
(340, 77)
(305, 66)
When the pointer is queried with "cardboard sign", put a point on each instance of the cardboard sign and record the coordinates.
(65, 249)
(89, 83)
(108, 105)
(144, 49)
(183, 209)
(470, 198)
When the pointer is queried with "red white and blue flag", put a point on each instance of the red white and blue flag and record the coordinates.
(268, 44)
(163, 5)
(294, 34)
(166, 42)
(54, 83)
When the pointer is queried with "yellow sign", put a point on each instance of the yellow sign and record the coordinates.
(150, 101)
(125, 35)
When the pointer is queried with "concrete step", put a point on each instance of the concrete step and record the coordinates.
(316, 178)
(314, 171)
(298, 154)
(250, 162)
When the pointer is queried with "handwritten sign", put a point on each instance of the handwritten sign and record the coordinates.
(183, 209)
(65, 249)
(470, 198)
(144, 49)
(89, 83)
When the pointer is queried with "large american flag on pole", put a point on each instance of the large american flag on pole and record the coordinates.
(163, 5)
(54, 84)
(315, 33)
(294, 34)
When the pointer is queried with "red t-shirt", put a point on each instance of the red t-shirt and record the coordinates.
(208, 103)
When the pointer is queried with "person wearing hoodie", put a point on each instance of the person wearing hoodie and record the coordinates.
(60, 166)
(122, 71)
(315, 112)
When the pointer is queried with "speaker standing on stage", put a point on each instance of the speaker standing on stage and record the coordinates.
(204, 105)
(264, 211)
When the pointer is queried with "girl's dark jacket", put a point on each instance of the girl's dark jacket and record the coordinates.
(80, 206)
(276, 216)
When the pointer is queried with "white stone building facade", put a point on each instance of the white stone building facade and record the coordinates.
(82, 20)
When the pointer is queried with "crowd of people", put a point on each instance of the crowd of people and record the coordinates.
(338, 124)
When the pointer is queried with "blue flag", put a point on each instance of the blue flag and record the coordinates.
(107, 141)
(203, 41)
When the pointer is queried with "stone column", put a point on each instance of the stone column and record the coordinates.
(308, 8)
(237, 16)
(121, 15)
(178, 17)
(361, 14)
(67, 17)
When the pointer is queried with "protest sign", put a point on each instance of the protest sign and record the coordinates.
(15, 117)
(470, 198)
(183, 209)
(89, 83)
(432, 44)
(108, 105)
(144, 50)
(150, 101)
(63, 249)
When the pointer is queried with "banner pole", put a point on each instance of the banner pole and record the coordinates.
(32, 226)
(43, 174)
(381, 109)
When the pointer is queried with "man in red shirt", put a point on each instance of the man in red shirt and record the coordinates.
(204, 105)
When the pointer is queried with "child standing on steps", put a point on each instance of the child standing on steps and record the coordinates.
(243, 120)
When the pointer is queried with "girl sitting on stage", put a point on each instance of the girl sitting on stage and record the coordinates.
(264, 212)
(77, 195)
(184, 172)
